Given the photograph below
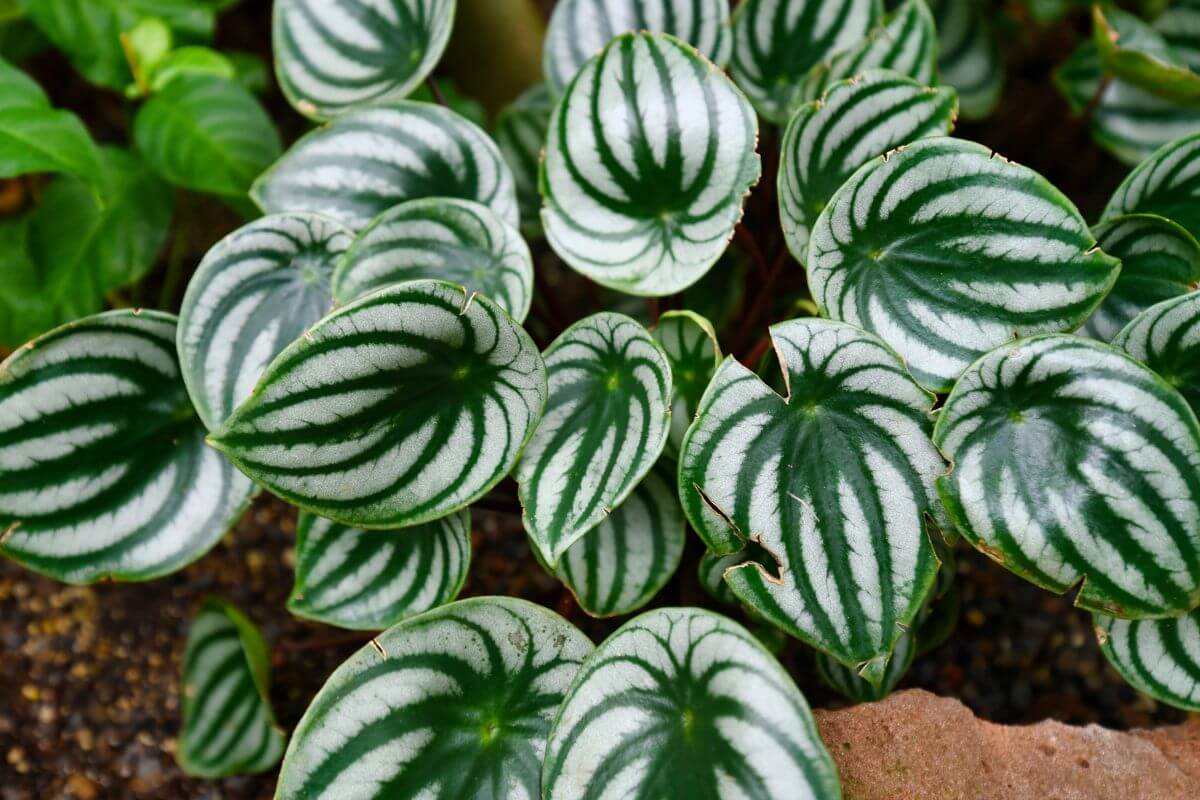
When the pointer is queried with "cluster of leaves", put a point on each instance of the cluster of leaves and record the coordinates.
(368, 350)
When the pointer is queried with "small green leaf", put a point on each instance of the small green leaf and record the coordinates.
(193, 60)
(1131, 50)
(690, 343)
(520, 133)
(969, 54)
(146, 45)
(1160, 657)
(1166, 338)
(1167, 184)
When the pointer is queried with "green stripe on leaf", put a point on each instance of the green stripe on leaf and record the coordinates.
(1167, 183)
(1166, 338)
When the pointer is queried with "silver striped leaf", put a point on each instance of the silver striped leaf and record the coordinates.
(1159, 260)
(857, 120)
(1167, 183)
(1166, 338)
(1076, 465)
(581, 28)
(681, 702)
(397, 409)
(619, 565)
(1179, 24)
(103, 468)
(253, 294)
(604, 426)
(848, 684)
(711, 573)
(370, 159)
(1159, 657)
(440, 237)
(370, 580)
(833, 482)
(776, 42)
(946, 251)
(520, 134)
(454, 703)
(649, 159)
(333, 57)
(905, 43)
(228, 725)
(690, 343)
(969, 54)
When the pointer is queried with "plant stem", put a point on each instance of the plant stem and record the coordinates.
(749, 244)
(436, 91)
(179, 247)
(765, 300)
(1097, 97)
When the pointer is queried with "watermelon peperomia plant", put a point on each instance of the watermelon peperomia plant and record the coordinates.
(723, 270)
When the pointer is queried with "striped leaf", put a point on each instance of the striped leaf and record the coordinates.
(906, 43)
(1160, 657)
(371, 580)
(333, 57)
(969, 54)
(946, 251)
(1159, 260)
(1075, 464)
(642, 190)
(581, 28)
(520, 134)
(228, 725)
(681, 702)
(454, 703)
(711, 573)
(103, 468)
(397, 409)
(440, 237)
(857, 120)
(690, 343)
(1179, 24)
(776, 42)
(1166, 338)
(848, 684)
(605, 424)
(368, 160)
(254, 293)
(1133, 51)
(1167, 183)
(619, 565)
(833, 482)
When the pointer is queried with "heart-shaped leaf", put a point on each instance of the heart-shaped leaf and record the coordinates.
(681, 702)
(228, 726)
(643, 188)
(103, 468)
(521, 134)
(440, 237)
(448, 704)
(691, 346)
(1167, 183)
(619, 565)
(397, 409)
(371, 580)
(332, 57)
(946, 251)
(848, 684)
(1160, 657)
(834, 482)
(605, 424)
(1166, 338)
(254, 293)
(1133, 51)
(1074, 463)
(368, 160)
(581, 28)
(969, 55)
(857, 120)
(776, 42)
(1159, 260)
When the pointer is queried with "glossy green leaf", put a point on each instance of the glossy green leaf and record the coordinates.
(369, 160)
(26, 308)
(946, 250)
(520, 133)
(1131, 50)
(193, 60)
(776, 42)
(649, 159)
(34, 137)
(1159, 260)
(440, 237)
(681, 702)
(1166, 338)
(857, 120)
(1160, 657)
(581, 28)
(454, 703)
(206, 133)
(969, 54)
(255, 292)
(1076, 465)
(333, 57)
(1167, 183)
(834, 482)
(605, 424)
(103, 468)
(848, 684)
(396, 409)
(228, 725)
(371, 580)
(693, 352)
